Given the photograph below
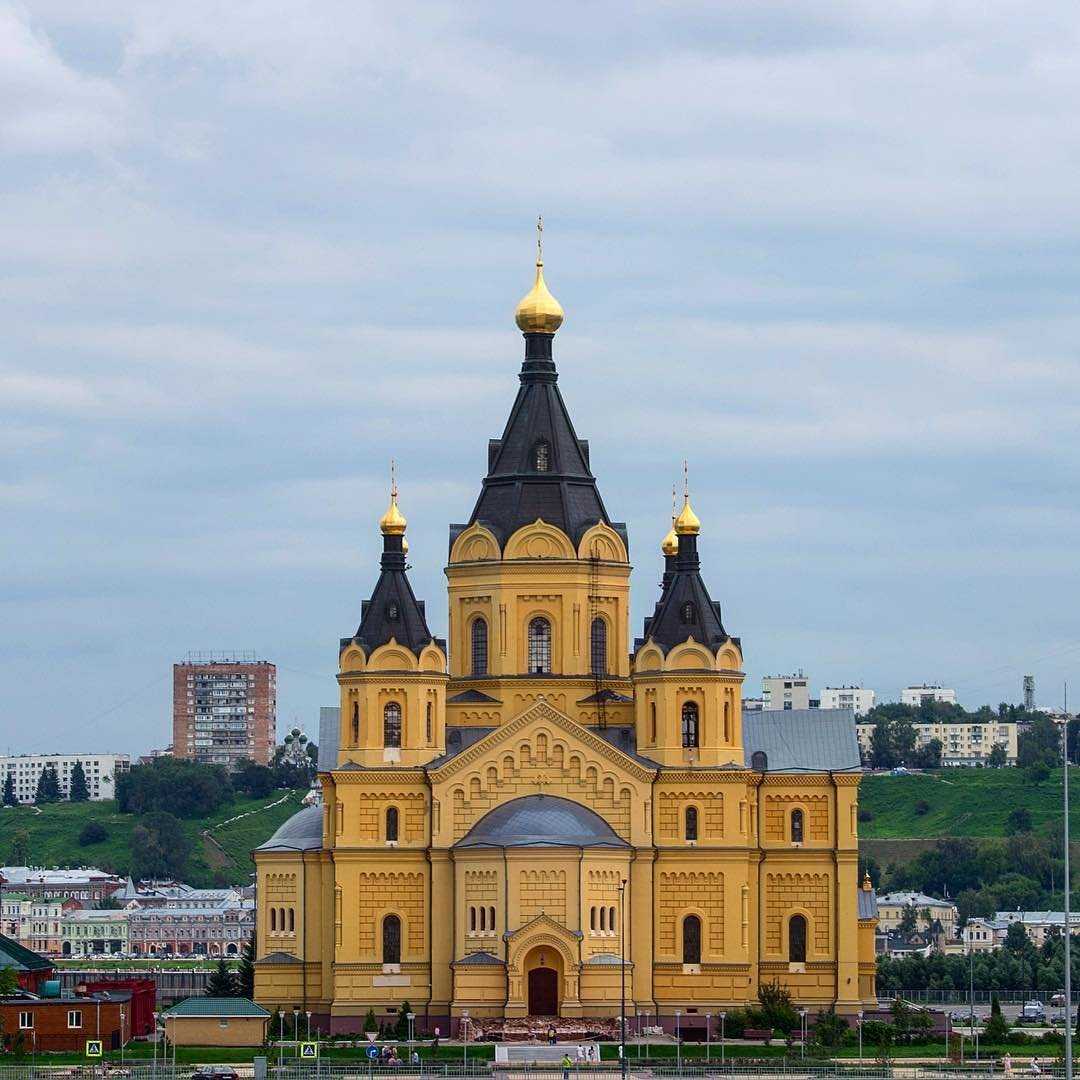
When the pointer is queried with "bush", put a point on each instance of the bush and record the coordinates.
(1018, 821)
(776, 1009)
(922, 807)
(93, 832)
(866, 815)
(830, 1029)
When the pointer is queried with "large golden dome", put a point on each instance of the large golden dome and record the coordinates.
(539, 312)
(393, 522)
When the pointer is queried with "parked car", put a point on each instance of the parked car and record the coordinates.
(1058, 1000)
(1033, 1010)
(215, 1072)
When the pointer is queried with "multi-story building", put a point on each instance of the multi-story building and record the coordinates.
(548, 810)
(785, 692)
(962, 743)
(212, 930)
(85, 884)
(891, 907)
(857, 698)
(95, 933)
(224, 709)
(916, 695)
(34, 922)
(101, 771)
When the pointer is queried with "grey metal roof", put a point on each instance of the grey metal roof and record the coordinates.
(482, 959)
(279, 958)
(802, 740)
(605, 959)
(301, 832)
(211, 1006)
(867, 904)
(458, 739)
(541, 821)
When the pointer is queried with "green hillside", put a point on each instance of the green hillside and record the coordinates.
(220, 852)
(959, 802)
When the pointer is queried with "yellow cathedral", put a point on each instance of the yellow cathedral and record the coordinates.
(546, 813)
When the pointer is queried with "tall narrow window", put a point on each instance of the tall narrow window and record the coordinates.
(491, 918)
(687, 612)
(292, 919)
(691, 940)
(479, 647)
(727, 721)
(355, 723)
(603, 920)
(483, 919)
(690, 724)
(598, 646)
(542, 457)
(797, 939)
(427, 722)
(273, 919)
(539, 647)
(392, 823)
(691, 823)
(652, 722)
(391, 940)
(472, 920)
(392, 724)
(796, 826)
(592, 919)
(611, 924)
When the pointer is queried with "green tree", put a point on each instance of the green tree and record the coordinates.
(883, 753)
(78, 790)
(908, 919)
(253, 779)
(1040, 743)
(10, 798)
(1018, 821)
(370, 1023)
(1016, 939)
(93, 832)
(221, 983)
(9, 981)
(927, 756)
(997, 1027)
(108, 903)
(776, 1010)
(159, 847)
(48, 786)
(176, 786)
(401, 1028)
(998, 756)
(20, 848)
(245, 973)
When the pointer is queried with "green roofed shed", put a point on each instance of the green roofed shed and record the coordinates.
(214, 1021)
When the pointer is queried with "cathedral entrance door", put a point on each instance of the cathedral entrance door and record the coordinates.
(543, 992)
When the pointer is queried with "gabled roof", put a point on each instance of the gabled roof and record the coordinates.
(481, 958)
(14, 955)
(211, 1006)
(279, 958)
(515, 492)
(393, 610)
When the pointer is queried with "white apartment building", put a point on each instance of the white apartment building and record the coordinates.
(101, 772)
(857, 698)
(916, 695)
(785, 692)
(891, 908)
(961, 743)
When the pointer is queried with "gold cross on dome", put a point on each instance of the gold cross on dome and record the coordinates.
(540, 240)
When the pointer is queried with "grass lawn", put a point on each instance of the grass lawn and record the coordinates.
(961, 802)
(54, 836)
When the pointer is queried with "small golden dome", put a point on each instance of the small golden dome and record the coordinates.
(687, 523)
(404, 546)
(393, 522)
(670, 544)
(539, 312)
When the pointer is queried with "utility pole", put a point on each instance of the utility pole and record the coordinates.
(622, 977)
(1067, 890)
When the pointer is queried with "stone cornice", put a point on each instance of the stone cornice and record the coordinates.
(707, 774)
(378, 775)
(542, 710)
(803, 779)
(379, 675)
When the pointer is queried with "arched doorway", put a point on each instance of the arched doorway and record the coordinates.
(543, 992)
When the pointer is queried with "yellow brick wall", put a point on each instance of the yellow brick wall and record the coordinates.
(683, 893)
(816, 816)
(400, 893)
(672, 813)
(808, 894)
(542, 892)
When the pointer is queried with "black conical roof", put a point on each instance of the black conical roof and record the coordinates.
(685, 610)
(518, 489)
(393, 610)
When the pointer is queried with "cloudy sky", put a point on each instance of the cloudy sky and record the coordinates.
(827, 252)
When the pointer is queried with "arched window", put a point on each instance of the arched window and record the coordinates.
(539, 647)
(603, 920)
(542, 457)
(652, 721)
(427, 721)
(355, 723)
(727, 721)
(392, 724)
(797, 939)
(598, 646)
(273, 919)
(691, 823)
(592, 919)
(391, 940)
(392, 823)
(479, 647)
(292, 920)
(281, 919)
(472, 920)
(611, 923)
(687, 612)
(796, 826)
(759, 761)
(690, 724)
(691, 940)
(491, 917)
(483, 919)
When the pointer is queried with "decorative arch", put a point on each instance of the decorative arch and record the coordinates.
(604, 543)
(598, 646)
(798, 938)
(392, 657)
(433, 659)
(539, 541)
(690, 656)
(475, 544)
(352, 659)
(649, 658)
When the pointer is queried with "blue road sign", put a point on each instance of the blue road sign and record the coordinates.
(373, 1052)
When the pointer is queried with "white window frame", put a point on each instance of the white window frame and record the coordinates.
(74, 1019)
(26, 1020)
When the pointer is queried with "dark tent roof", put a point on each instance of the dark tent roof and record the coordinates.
(393, 610)
(301, 832)
(14, 955)
(541, 821)
(515, 491)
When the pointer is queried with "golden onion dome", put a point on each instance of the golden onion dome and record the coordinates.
(539, 312)
(687, 523)
(393, 522)
(670, 544)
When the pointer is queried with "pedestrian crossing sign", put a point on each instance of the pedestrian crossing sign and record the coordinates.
(93, 1048)
(309, 1050)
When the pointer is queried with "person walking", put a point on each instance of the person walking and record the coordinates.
(566, 1063)
(1006, 1063)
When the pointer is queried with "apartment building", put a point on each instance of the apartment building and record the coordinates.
(916, 695)
(224, 708)
(785, 692)
(961, 743)
(86, 884)
(891, 908)
(857, 698)
(94, 933)
(101, 771)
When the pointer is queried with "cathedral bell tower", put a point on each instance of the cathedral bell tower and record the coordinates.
(539, 577)
(687, 668)
(392, 671)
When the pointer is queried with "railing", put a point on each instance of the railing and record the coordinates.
(981, 997)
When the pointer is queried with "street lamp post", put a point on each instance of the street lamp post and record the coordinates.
(723, 1019)
(622, 977)
(708, 1036)
(802, 1033)
(411, 1017)
(155, 1043)
(308, 1027)
(859, 1018)
(465, 1039)
(678, 1039)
